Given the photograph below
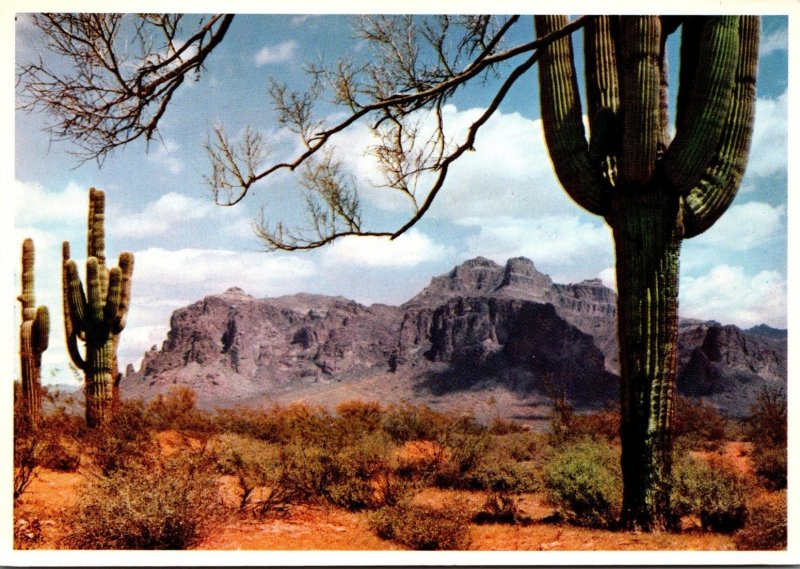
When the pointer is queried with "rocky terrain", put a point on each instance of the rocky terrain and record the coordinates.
(482, 332)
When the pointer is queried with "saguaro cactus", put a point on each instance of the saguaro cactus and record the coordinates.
(652, 191)
(98, 315)
(34, 335)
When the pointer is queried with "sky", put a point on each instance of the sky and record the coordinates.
(499, 202)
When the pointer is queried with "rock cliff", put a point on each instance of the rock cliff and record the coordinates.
(482, 325)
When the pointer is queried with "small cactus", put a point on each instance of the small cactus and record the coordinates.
(34, 337)
(96, 315)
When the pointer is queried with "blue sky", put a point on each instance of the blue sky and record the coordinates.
(501, 201)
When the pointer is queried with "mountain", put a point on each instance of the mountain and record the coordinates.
(483, 331)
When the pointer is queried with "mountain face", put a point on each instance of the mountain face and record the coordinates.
(480, 326)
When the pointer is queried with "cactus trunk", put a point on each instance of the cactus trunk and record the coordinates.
(97, 315)
(34, 337)
(652, 191)
(647, 234)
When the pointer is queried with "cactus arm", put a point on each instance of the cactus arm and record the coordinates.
(709, 199)
(126, 265)
(114, 294)
(704, 116)
(76, 298)
(640, 98)
(563, 123)
(95, 300)
(27, 297)
(602, 93)
(41, 329)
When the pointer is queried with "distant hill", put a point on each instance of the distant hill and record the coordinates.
(492, 338)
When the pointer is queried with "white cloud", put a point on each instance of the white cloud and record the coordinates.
(509, 174)
(410, 249)
(161, 216)
(778, 40)
(768, 152)
(730, 295)
(744, 227)
(33, 204)
(165, 154)
(566, 247)
(276, 53)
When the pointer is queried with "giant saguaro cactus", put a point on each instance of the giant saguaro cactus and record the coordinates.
(97, 315)
(34, 335)
(652, 191)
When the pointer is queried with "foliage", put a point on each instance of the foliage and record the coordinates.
(120, 442)
(499, 508)
(27, 448)
(770, 465)
(698, 425)
(766, 427)
(766, 525)
(583, 481)
(423, 527)
(407, 422)
(166, 503)
(713, 491)
(177, 409)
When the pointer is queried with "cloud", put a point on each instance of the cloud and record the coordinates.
(566, 247)
(276, 53)
(778, 40)
(768, 152)
(162, 216)
(165, 154)
(509, 174)
(731, 295)
(408, 250)
(744, 227)
(33, 204)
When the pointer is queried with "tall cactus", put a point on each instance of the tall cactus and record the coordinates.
(34, 335)
(652, 191)
(97, 315)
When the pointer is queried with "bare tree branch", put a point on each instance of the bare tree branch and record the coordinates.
(103, 91)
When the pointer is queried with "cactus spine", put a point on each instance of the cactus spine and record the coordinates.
(652, 191)
(97, 315)
(34, 336)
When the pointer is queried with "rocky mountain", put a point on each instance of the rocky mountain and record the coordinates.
(482, 328)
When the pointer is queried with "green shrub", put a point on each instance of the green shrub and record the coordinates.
(714, 492)
(698, 425)
(407, 422)
(585, 484)
(767, 422)
(766, 526)
(121, 442)
(166, 504)
(422, 527)
(499, 508)
(770, 465)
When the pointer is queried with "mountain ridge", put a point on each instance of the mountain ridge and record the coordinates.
(481, 327)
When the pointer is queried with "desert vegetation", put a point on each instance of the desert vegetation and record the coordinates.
(166, 475)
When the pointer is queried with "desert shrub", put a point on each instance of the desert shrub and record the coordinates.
(177, 409)
(499, 508)
(123, 441)
(59, 455)
(767, 427)
(766, 525)
(499, 470)
(698, 425)
(584, 482)
(419, 460)
(358, 418)
(166, 504)
(423, 527)
(407, 422)
(767, 422)
(464, 453)
(714, 492)
(518, 446)
(355, 471)
(597, 425)
(28, 443)
(770, 465)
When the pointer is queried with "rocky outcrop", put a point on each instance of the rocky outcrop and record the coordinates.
(481, 323)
